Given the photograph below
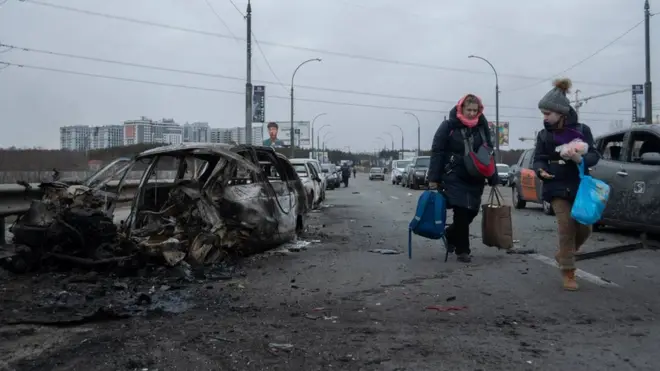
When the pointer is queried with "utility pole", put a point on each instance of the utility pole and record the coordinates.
(578, 104)
(648, 104)
(248, 78)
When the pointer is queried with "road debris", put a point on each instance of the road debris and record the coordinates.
(442, 308)
(385, 251)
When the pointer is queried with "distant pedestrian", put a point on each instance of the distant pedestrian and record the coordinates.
(354, 172)
(460, 139)
(560, 176)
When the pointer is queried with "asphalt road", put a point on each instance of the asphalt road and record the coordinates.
(338, 306)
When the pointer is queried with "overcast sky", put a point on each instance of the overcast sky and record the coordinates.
(527, 41)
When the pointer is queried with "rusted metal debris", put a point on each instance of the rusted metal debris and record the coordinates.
(239, 200)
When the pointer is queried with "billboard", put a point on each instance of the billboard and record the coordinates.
(278, 134)
(504, 132)
(258, 103)
(638, 100)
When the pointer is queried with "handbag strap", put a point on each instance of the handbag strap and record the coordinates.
(495, 196)
(468, 144)
(581, 168)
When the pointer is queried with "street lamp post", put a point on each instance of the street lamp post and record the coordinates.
(318, 140)
(391, 137)
(497, 105)
(401, 130)
(419, 148)
(293, 146)
(312, 129)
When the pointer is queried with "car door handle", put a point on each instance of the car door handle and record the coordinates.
(622, 173)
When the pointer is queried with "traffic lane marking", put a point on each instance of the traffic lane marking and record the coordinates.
(578, 272)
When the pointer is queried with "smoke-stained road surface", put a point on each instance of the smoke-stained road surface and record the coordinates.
(337, 306)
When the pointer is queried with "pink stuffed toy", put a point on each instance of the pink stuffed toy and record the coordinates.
(573, 151)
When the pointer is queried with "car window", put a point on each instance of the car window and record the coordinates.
(423, 162)
(301, 169)
(611, 147)
(502, 168)
(521, 160)
(529, 159)
(643, 142)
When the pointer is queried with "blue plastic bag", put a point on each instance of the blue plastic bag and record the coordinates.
(590, 200)
(430, 219)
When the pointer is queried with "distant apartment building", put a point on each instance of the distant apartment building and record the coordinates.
(197, 132)
(85, 137)
(235, 135)
(106, 136)
(145, 130)
(75, 138)
(220, 135)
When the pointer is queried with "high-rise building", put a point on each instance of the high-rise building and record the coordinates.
(107, 136)
(138, 131)
(145, 130)
(167, 131)
(220, 135)
(198, 132)
(75, 138)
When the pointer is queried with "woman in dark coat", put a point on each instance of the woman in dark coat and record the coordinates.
(560, 176)
(448, 172)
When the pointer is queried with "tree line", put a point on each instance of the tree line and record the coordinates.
(14, 159)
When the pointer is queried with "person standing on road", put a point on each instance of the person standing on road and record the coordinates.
(354, 171)
(560, 176)
(448, 171)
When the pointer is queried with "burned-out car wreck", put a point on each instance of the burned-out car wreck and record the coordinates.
(224, 202)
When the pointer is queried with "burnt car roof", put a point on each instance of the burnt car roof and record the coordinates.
(220, 148)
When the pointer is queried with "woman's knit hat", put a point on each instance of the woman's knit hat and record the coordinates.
(556, 100)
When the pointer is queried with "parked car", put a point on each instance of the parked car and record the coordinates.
(311, 180)
(418, 172)
(376, 173)
(526, 185)
(405, 172)
(398, 167)
(503, 173)
(630, 164)
(512, 169)
(331, 176)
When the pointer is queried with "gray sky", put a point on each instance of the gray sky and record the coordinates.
(533, 39)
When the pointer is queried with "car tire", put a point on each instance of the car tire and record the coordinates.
(547, 208)
(518, 203)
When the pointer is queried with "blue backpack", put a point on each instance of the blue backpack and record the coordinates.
(430, 219)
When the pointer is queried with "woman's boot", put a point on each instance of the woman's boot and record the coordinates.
(568, 277)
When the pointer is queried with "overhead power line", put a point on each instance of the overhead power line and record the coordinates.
(236, 78)
(294, 47)
(582, 60)
(199, 88)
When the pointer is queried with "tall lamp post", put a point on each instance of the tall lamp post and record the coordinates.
(318, 132)
(401, 130)
(293, 145)
(391, 137)
(312, 128)
(419, 148)
(497, 105)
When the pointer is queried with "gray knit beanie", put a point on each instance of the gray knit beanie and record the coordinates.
(556, 100)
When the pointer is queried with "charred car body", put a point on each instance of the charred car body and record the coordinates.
(223, 201)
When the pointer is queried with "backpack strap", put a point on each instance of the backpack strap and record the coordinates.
(468, 144)
(438, 208)
(482, 134)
